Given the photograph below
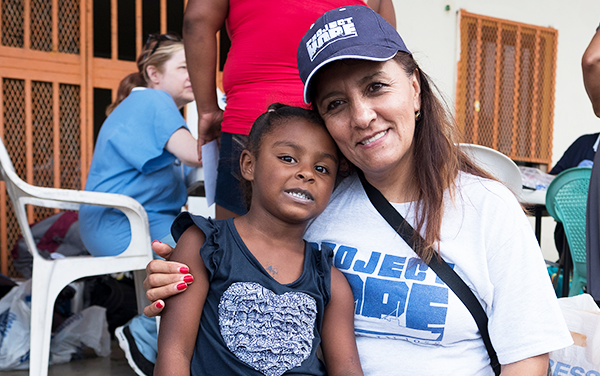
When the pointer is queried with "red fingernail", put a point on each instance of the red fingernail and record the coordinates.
(155, 241)
(184, 270)
(181, 286)
(159, 305)
(188, 279)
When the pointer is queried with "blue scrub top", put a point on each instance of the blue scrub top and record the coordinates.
(130, 158)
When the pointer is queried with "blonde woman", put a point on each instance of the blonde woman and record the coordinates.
(139, 153)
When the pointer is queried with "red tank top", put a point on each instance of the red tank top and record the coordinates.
(261, 65)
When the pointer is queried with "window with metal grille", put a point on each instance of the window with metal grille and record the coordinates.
(505, 86)
(54, 56)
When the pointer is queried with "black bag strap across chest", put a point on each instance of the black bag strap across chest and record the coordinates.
(437, 264)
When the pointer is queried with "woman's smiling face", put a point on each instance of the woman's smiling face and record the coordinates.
(369, 109)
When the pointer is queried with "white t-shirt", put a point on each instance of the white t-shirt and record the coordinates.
(407, 321)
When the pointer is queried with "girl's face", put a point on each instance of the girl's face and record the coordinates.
(294, 173)
(174, 79)
(369, 109)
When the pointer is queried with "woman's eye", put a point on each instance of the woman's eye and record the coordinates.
(287, 158)
(375, 86)
(333, 105)
(322, 169)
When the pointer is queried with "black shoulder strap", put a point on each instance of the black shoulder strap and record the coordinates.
(439, 266)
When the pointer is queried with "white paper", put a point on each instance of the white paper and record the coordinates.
(210, 160)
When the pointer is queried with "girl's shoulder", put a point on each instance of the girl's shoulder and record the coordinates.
(210, 227)
(220, 241)
(320, 264)
(322, 257)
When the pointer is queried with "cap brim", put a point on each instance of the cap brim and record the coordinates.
(376, 53)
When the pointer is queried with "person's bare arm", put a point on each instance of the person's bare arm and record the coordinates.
(385, 8)
(183, 145)
(180, 321)
(590, 64)
(201, 21)
(534, 366)
(338, 341)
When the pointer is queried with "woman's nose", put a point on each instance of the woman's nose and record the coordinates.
(362, 113)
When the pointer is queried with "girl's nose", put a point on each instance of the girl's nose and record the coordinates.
(305, 174)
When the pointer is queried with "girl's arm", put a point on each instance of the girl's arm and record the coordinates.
(338, 341)
(180, 321)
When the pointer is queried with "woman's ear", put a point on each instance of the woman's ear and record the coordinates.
(247, 162)
(416, 84)
(153, 74)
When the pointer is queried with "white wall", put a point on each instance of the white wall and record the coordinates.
(431, 33)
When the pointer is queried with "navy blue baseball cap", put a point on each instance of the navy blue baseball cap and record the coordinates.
(351, 32)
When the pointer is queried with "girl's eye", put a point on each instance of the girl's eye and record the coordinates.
(322, 169)
(288, 159)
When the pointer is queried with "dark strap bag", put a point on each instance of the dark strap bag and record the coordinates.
(437, 264)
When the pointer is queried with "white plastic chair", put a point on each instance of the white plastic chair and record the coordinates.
(51, 276)
(497, 164)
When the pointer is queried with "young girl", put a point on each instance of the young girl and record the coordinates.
(265, 299)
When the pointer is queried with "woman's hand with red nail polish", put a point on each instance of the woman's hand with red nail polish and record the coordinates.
(163, 278)
(154, 309)
(162, 249)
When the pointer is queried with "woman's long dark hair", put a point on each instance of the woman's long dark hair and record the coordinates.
(437, 158)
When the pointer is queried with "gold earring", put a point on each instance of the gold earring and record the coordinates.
(418, 115)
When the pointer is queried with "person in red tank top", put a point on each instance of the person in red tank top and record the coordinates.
(261, 69)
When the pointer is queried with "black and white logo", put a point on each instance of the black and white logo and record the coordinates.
(330, 33)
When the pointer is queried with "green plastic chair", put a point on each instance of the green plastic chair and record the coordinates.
(566, 202)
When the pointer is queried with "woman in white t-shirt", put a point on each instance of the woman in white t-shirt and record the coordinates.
(380, 109)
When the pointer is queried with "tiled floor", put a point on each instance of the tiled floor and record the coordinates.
(90, 365)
